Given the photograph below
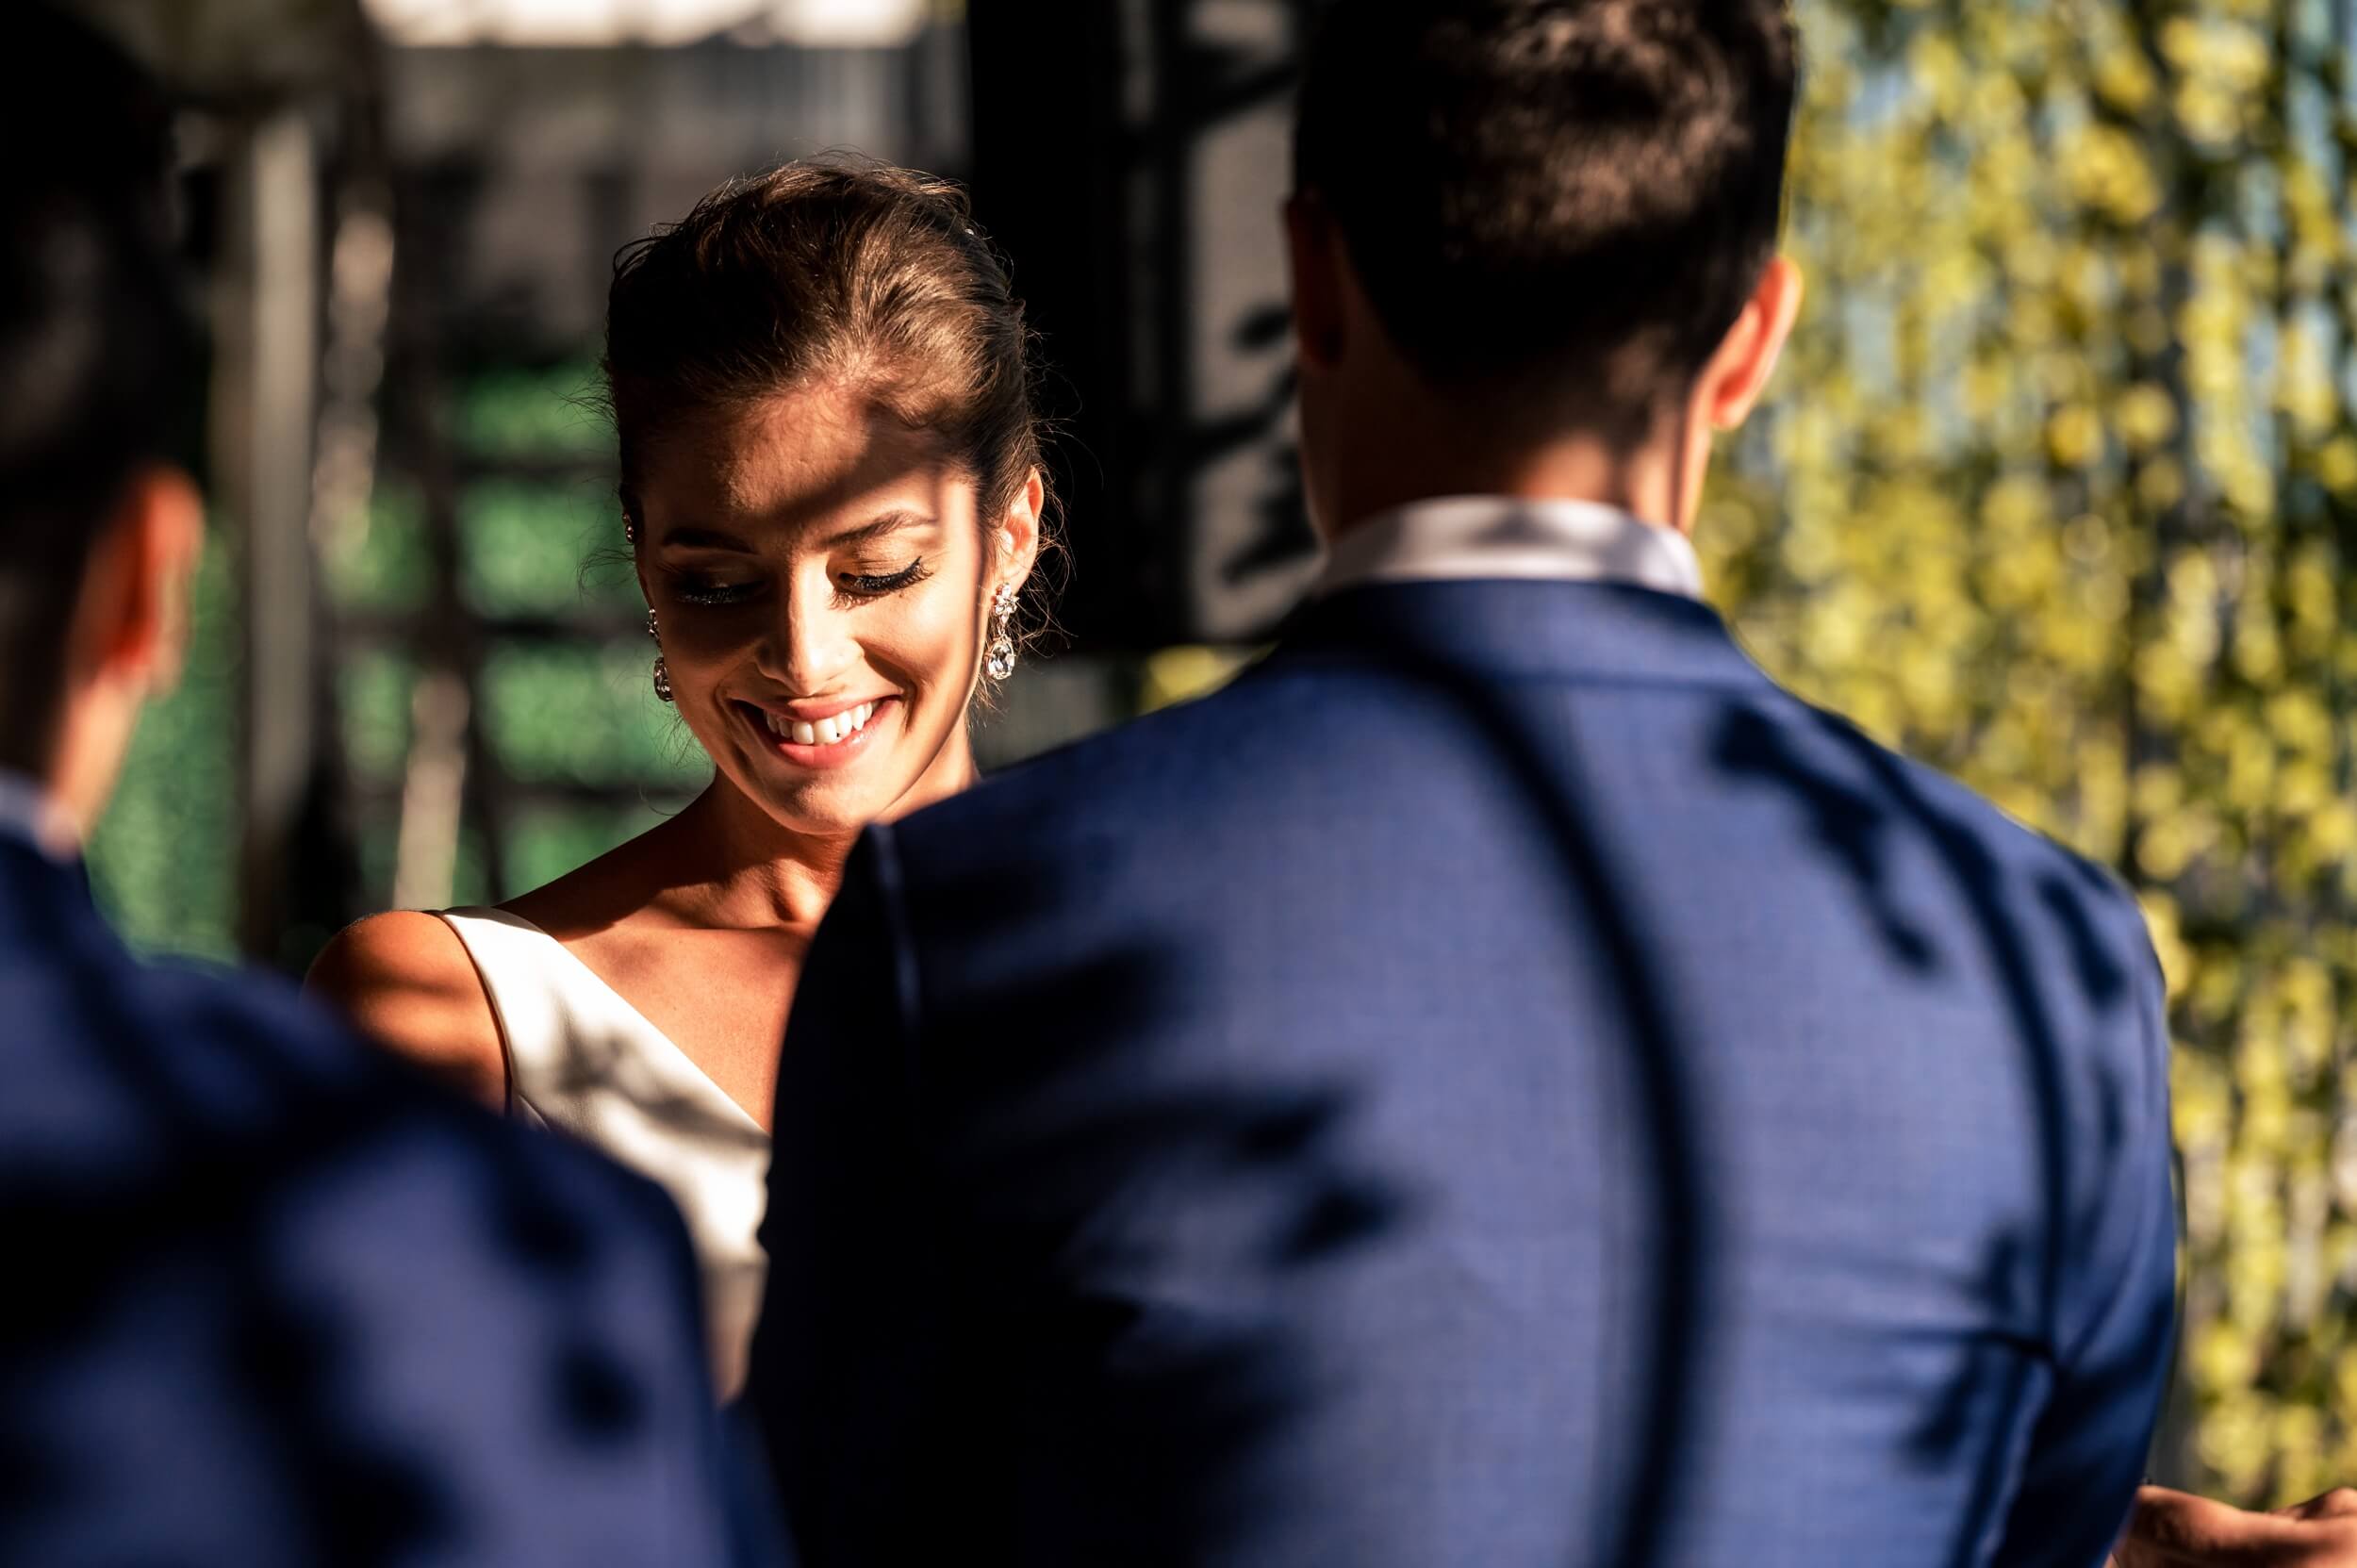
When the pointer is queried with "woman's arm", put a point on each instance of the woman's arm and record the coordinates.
(406, 980)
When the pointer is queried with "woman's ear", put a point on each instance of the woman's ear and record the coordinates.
(1019, 532)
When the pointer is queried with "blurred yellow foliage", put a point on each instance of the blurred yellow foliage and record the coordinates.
(2062, 496)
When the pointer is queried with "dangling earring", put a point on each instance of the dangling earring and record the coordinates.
(662, 670)
(1001, 663)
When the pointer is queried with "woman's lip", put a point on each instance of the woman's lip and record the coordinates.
(842, 753)
(810, 713)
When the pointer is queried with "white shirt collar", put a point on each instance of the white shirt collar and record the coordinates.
(1472, 537)
(26, 812)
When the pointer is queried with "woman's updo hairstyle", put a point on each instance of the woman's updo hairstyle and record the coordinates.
(863, 275)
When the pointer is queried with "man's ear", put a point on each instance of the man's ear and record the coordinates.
(1314, 253)
(136, 599)
(1738, 370)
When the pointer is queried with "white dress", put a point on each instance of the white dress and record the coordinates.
(581, 1060)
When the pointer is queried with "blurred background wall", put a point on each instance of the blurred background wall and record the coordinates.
(2057, 491)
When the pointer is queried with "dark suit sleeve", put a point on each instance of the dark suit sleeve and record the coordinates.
(2118, 1316)
(508, 1340)
(854, 1344)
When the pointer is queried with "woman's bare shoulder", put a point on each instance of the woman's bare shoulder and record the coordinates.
(612, 891)
(405, 979)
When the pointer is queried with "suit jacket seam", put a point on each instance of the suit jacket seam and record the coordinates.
(2149, 1052)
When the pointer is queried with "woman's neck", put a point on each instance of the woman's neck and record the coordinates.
(730, 863)
(725, 862)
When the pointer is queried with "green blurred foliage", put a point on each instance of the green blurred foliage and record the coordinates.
(2058, 490)
(546, 842)
(387, 565)
(564, 719)
(372, 697)
(543, 547)
(587, 715)
(533, 413)
(379, 837)
(583, 754)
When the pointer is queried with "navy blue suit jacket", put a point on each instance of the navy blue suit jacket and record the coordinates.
(272, 1300)
(1503, 1083)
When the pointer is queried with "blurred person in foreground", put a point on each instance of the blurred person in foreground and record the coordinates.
(273, 1299)
(1502, 1083)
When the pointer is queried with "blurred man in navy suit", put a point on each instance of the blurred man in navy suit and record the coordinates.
(270, 1300)
(1503, 1083)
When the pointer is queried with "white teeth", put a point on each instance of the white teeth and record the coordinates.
(826, 732)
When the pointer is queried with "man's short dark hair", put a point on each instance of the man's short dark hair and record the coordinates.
(96, 352)
(1546, 197)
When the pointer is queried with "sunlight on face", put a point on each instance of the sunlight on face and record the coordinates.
(822, 580)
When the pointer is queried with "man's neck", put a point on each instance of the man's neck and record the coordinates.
(30, 812)
(1382, 477)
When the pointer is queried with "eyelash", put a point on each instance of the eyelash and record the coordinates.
(871, 586)
(730, 593)
(855, 585)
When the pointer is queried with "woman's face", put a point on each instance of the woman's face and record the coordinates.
(822, 581)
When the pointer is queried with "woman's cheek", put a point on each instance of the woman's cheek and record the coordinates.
(927, 642)
(705, 639)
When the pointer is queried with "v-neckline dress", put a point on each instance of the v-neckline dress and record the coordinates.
(583, 1060)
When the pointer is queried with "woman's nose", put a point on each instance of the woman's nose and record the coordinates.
(809, 645)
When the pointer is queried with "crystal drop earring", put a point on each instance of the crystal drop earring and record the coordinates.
(662, 670)
(1002, 651)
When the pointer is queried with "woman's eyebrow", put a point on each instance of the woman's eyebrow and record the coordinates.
(883, 523)
(705, 539)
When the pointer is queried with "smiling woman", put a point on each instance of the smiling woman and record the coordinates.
(830, 487)
(811, 554)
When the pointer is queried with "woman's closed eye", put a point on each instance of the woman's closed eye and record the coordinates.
(712, 590)
(862, 585)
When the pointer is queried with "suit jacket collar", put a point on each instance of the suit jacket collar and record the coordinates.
(1530, 629)
(42, 898)
(45, 890)
(1459, 537)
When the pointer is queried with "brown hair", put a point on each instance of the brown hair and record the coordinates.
(1533, 191)
(98, 353)
(870, 274)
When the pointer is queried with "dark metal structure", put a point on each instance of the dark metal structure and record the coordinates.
(1140, 203)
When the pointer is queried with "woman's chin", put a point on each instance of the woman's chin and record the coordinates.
(835, 803)
(824, 805)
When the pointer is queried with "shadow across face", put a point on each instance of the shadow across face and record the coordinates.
(819, 578)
